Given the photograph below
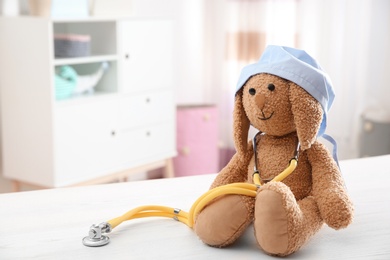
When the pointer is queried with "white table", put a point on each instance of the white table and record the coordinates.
(50, 224)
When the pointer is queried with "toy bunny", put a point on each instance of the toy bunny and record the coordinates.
(286, 96)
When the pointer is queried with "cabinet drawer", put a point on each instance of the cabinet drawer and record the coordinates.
(197, 140)
(146, 109)
(198, 125)
(144, 143)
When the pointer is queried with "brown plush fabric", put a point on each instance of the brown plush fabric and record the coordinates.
(271, 225)
(236, 215)
(306, 113)
(282, 223)
(285, 214)
(241, 124)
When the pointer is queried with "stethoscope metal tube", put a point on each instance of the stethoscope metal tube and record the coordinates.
(96, 235)
(255, 168)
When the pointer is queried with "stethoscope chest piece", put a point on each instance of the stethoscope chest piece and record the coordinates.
(95, 237)
(94, 242)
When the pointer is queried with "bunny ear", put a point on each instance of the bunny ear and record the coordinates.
(240, 125)
(307, 113)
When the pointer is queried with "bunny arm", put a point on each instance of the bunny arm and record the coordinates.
(236, 170)
(328, 188)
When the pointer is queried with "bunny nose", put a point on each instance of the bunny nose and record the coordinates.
(260, 100)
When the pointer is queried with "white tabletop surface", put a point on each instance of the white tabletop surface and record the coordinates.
(50, 224)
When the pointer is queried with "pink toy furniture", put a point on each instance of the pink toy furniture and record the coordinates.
(197, 140)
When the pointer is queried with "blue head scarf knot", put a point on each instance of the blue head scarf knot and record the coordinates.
(299, 67)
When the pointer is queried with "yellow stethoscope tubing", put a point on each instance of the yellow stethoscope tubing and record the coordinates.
(187, 218)
(291, 167)
(246, 189)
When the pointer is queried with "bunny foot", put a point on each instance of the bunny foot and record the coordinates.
(283, 225)
(224, 220)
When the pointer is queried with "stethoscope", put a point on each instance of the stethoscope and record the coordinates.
(96, 233)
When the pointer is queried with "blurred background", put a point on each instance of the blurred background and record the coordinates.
(214, 39)
(349, 38)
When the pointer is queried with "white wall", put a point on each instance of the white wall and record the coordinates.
(379, 55)
(350, 39)
(189, 49)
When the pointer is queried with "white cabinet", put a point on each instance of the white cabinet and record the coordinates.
(127, 122)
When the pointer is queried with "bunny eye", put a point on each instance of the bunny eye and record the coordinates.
(271, 87)
(252, 91)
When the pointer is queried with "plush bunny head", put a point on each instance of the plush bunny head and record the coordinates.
(276, 107)
(286, 91)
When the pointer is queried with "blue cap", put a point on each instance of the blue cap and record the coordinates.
(297, 66)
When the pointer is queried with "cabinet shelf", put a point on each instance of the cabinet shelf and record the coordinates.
(84, 60)
(80, 99)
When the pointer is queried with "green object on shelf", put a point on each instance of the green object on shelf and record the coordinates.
(65, 81)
